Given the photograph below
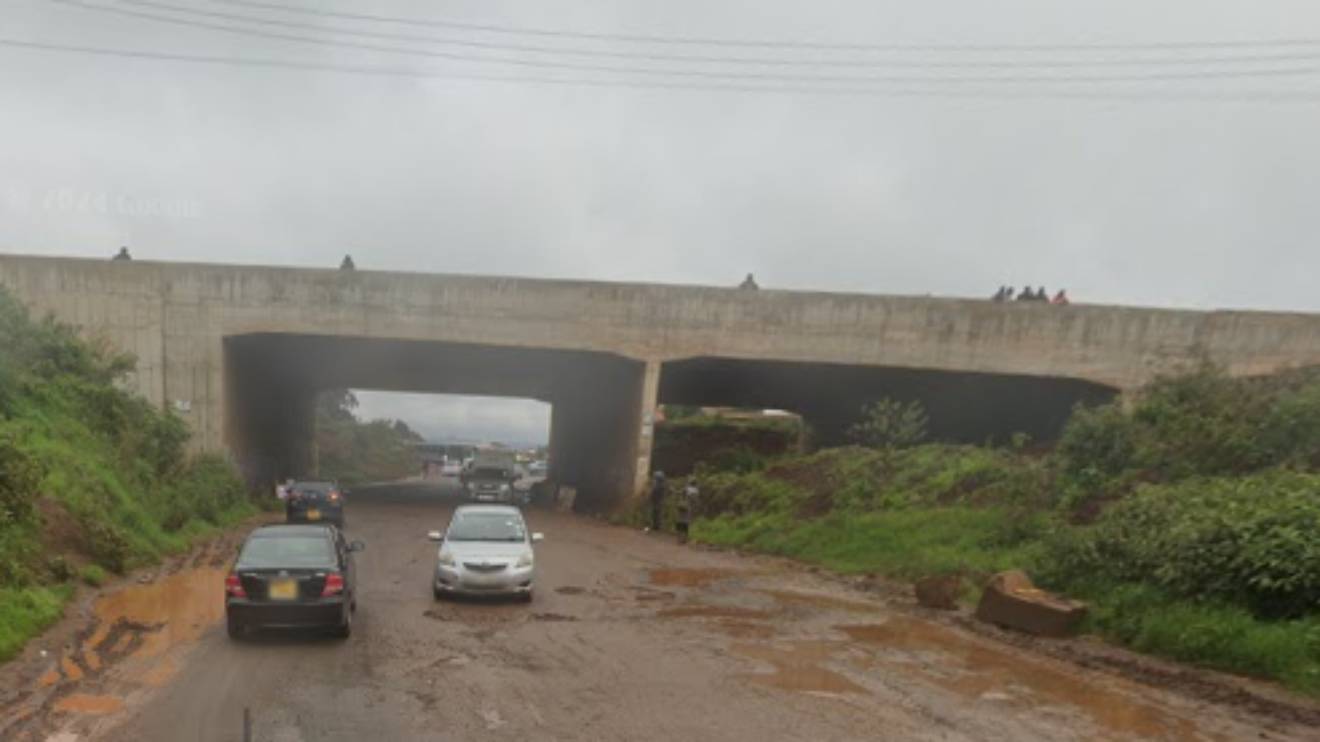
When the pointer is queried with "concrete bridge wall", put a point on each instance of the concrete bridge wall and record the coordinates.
(599, 351)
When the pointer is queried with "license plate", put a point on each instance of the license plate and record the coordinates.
(313, 514)
(283, 589)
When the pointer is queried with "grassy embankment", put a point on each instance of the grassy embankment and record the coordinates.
(1190, 521)
(93, 480)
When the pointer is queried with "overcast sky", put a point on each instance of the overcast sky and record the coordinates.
(1157, 193)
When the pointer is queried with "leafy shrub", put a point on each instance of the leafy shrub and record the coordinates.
(93, 575)
(1252, 541)
(890, 424)
(19, 478)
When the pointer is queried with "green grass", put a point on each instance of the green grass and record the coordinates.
(1213, 635)
(25, 612)
(900, 543)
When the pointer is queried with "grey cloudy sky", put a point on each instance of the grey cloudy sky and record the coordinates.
(1122, 192)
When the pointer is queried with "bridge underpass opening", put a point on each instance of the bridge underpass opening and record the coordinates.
(272, 381)
(447, 425)
(962, 407)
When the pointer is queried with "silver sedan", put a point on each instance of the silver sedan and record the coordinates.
(486, 550)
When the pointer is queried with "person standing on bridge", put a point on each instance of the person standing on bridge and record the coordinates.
(748, 284)
(657, 499)
(122, 254)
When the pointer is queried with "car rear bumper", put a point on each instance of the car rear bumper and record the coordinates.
(271, 614)
(299, 513)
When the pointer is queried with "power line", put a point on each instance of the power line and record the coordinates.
(996, 95)
(1297, 71)
(1255, 58)
(772, 43)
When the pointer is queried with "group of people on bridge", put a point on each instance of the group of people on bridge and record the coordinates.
(1006, 293)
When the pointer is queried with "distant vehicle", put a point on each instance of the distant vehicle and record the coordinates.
(537, 468)
(451, 468)
(490, 477)
(485, 551)
(310, 502)
(293, 576)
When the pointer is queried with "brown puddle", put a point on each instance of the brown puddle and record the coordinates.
(744, 629)
(978, 669)
(798, 667)
(815, 600)
(713, 611)
(688, 577)
(81, 703)
(182, 605)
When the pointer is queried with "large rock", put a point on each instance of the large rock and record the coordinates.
(1013, 601)
(938, 592)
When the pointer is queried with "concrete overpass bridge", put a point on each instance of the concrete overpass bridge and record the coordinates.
(241, 352)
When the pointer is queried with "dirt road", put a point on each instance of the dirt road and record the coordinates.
(630, 637)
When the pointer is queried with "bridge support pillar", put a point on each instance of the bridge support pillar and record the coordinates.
(601, 429)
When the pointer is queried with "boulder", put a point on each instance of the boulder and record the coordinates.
(1011, 600)
(940, 592)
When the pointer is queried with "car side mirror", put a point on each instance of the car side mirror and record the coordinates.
(434, 536)
(357, 546)
(538, 537)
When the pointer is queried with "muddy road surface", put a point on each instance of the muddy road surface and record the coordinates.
(630, 636)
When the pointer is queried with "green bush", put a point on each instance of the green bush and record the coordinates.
(889, 424)
(1252, 541)
(19, 476)
(24, 612)
(93, 575)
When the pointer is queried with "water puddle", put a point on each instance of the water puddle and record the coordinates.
(744, 629)
(798, 667)
(816, 600)
(183, 605)
(80, 703)
(977, 671)
(713, 611)
(676, 577)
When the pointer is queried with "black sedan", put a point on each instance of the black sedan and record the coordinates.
(290, 576)
(311, 502)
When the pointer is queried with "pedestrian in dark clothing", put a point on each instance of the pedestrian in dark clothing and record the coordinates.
(686, 507)
(657, 499)
(748, 283)
(347, 264)
(1027, 294)
(122, 254)
(999, 295)
(1041, 295)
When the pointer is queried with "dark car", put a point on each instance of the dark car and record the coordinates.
(293, 576)
(311, 502)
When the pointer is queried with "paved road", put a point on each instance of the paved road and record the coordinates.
(630, 637)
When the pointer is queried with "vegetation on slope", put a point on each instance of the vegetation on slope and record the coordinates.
(92, 478)
(1189, 519)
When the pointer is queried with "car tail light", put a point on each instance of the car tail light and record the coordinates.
(234, 586)
(334, 585)
(334, 497)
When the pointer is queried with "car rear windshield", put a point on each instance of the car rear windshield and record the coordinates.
(313, 550)
(487, 527)
(489, 473)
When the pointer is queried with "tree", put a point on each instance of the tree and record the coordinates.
(337, 404)
(890, 424)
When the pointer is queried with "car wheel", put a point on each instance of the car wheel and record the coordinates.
(344, 629)
(234, 628)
